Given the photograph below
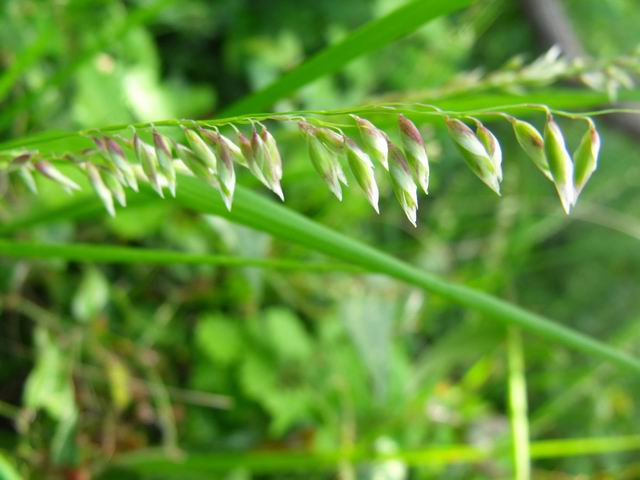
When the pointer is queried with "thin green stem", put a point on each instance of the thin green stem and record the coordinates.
(395, 108)
(518, 406)
(154, 462)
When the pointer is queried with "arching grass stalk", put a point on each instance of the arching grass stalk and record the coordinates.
(262, 214)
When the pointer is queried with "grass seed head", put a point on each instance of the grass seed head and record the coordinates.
(249, 154)
(374, 140)
(236, 151)
(162, 146)
(474, 153)
(24, 173)
(585, 158)
(104, 194)
(119, 159)
(201, 149)
(533, 145)
(22, 166)
(22, 160)
(226, 174)
(268, 161)
(415, 151)
(193, 163)
(115, 186)
(492, 146)
(362, 169)
(274, 168)
(334, 142)
(560, 163)
(325, 162)
(403, 184)
(148, 159)
(52, 173)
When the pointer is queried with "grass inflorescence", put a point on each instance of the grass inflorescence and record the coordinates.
(213, 150)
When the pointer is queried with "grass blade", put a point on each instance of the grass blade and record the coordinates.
(154, 462)
(260, 213)
(84, 252)
(368, 38)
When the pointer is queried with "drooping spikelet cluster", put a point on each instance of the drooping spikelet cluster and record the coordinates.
(116, 163)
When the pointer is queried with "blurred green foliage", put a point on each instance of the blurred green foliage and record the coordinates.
(100, 362)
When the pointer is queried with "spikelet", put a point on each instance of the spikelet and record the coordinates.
(585, 158)
(415, 151)
(117, 156)
(262, 155)
(26, 176)
(201, 149)
(22, 164)
(492, 147)
(162, 147)
(226, 174)
(374, 141)
(362, 169)
(272, 167)
(532, 143)
(235, 150)
(196, 166)
(560, 163)
(114, 186)
(104, 194)
(52, 173)
(403, 184)
(146, 155)
(325, 163)
(334, 141)
(474, 153)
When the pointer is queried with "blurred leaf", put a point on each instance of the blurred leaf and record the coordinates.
(49, 385)
(141, 221)
(371, 36)
(100, 97)
(64, 450)
(7, 470)
(257, 377)
(287, 336)
(219, 339)
(92, 295)
(368, 317)
(119, 382)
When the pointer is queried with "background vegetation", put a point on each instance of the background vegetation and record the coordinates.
(309, 368)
